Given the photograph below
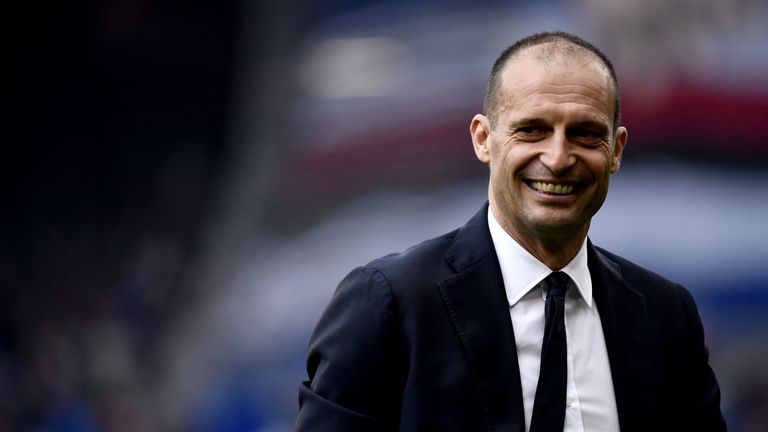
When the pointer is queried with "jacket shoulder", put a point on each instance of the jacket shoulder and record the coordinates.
(423, 261)
(638, 276)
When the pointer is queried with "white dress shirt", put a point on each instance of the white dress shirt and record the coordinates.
(590, 401)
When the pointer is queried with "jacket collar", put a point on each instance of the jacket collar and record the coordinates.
(477, 303)
(624, 319)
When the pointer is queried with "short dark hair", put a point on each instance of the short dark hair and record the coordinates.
(490, 103)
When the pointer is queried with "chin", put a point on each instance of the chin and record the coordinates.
(559, 226)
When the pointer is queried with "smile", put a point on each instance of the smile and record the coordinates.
(551, 188)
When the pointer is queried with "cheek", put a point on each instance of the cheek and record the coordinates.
(599, 161)
(505, 171)
(503, 176)
(513, 158)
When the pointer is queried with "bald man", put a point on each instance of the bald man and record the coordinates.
(515, 321)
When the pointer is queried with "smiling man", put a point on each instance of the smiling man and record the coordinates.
(515, 321)
(552, 138)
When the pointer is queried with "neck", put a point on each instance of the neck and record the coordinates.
(553, 248)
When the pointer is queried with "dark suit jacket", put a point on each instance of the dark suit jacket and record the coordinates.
(423, 341)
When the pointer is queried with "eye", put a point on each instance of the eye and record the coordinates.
(588, 136)
(530, 132)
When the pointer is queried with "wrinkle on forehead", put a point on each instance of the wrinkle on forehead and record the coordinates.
(532, 96)
(529, 81)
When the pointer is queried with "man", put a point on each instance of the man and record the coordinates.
(516, 322)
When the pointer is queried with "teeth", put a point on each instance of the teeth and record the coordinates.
(557, 189)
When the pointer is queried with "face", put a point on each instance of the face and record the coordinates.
(553, 146)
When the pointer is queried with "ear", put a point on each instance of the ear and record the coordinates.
(619, 142)
(480, 130)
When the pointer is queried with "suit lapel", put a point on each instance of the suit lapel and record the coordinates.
(624, 319)
(477, 304)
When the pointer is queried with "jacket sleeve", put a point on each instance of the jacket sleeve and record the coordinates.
(355, 377)
(698, 398)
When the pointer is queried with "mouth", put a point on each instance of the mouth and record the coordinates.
(551, 188)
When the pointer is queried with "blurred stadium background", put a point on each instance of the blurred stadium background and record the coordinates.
(186, 182)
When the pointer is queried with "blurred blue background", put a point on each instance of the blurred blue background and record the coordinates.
(185, 183)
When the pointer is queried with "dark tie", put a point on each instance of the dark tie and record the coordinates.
(549, 403)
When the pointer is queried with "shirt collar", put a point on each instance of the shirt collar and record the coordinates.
(522, 272)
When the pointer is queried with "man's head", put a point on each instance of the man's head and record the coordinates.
(550, 136)
(549, 43)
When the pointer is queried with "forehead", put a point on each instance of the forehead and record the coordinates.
(566, 82)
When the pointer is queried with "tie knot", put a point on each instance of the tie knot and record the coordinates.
(557, 284)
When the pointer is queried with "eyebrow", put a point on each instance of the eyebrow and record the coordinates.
(526, 121)
(589, 124)
(535, 121)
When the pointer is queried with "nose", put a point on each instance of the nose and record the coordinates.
(556, 153)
